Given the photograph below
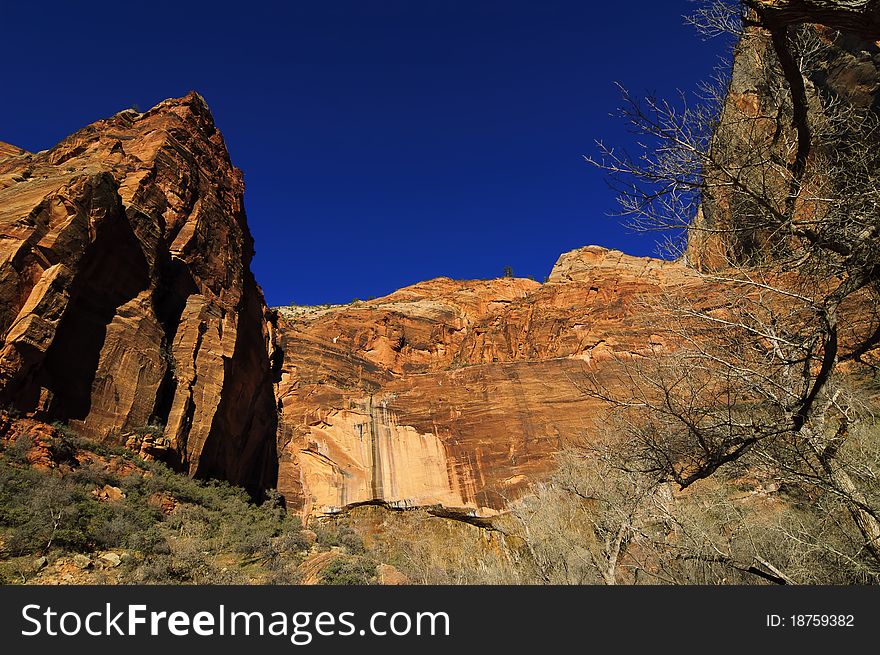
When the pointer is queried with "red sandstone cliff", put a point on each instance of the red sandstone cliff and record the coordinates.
(126, 297)
(459, 393)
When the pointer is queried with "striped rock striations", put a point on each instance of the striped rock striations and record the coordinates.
(127, 304)
(459, 393)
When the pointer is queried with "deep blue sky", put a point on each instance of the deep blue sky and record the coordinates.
(383, 141)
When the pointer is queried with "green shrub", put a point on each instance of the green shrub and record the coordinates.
(150, 542)
(346, 570)
(333, 534)
(153, 428)
(17, 451)
(93, 475)
(62, 448)
(58, 511)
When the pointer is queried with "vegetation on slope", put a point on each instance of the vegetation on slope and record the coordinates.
(91, 513)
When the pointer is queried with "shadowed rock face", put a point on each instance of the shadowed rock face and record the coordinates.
(459, 393)
(126, 296)
(756, 123)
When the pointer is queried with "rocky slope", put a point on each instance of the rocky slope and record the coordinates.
(458, 393)
(75, 511)
(127, 305)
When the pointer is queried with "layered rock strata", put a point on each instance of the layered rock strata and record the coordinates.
(459, 393)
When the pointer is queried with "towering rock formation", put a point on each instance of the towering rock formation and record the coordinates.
(759, 124)
(460, 393)
(126, 297)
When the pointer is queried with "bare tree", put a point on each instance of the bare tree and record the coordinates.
(860, 17)
(783, 192)
(587, 524)
(595, 521)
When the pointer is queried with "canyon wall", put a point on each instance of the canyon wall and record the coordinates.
(127, 304)
(459, 393)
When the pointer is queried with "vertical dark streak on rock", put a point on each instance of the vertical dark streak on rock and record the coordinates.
(800, 119)
(175, 285)
(376, 486)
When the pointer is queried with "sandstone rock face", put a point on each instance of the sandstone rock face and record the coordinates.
(756, 125)
(8, 150)
(458, 393)
(126, 297)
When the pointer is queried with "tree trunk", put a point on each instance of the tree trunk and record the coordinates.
(861, 17)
